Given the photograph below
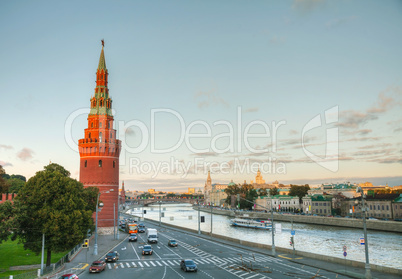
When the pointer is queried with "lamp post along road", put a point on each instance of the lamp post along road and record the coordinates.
(364, 209)
(96, 222)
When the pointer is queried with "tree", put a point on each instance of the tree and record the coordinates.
(56, 205)
(6, 220)
(274, 191)
(299, 191)
(15, 184)
(230, 191)
(3, 183)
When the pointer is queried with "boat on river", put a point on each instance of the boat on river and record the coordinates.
(251, 223)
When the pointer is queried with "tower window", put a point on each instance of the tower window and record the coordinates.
(100, 136)
(108, 125)
(114, 164)
(85, 163)
(100, 124)
(92, 125)
(100, 163)
(89, 135)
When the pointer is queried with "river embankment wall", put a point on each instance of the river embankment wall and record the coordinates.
(378, 225)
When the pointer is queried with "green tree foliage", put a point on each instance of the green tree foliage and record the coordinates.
(3, 183)
(247, 193)
(299, 191)
(6, 220)
(262, 192)
(56, 205)
(274, 191)
(15, 184)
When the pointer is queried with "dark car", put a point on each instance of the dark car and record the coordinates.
(172, 243)
(69, 276)
(141, 228)
(188, 265)
(133, 237)
(97, 266)
(112, 256)
(147, 250)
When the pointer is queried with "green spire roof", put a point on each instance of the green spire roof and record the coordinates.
(102, 61)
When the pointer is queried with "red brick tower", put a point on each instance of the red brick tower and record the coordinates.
(100, 150)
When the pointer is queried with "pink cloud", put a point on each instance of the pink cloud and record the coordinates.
(25, 154)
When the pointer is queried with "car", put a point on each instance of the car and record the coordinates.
(97, 266)
(112, 256)
(133, 237)
(147, 250)
(188, 265)
(69, 276)
(172, 243)
(141, 228)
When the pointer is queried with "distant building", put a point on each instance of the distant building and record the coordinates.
(191, 191)
(317, 204)
(278, 203)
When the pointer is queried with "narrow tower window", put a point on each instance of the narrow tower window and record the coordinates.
(89, 135)
(100, 136)
(100, 163)
(114, 164)
(85, 163)
(100, 124)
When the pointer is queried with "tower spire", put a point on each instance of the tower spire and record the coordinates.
(102, 61)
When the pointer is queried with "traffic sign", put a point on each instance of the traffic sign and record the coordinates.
(344, 248)
(345, 254)
(293, 232)
(361, 241)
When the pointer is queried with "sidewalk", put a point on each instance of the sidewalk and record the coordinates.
(83, 259)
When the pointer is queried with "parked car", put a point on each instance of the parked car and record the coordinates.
(97, 266)
(147, 250)
(188, 265)
(133, 237)
(69, 276)
(172, 243)
(112, 256)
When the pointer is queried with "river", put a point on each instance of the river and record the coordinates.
(384, 248)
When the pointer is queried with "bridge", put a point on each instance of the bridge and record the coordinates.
(146, 202)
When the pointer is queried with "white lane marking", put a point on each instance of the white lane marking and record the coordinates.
(109, 266)
(128, 265)
(171, 263)
(133, 263)
(165, 263)
(140, 264)
(152, 263)
(176, 272)
(159, 263)
(146, 264)
(135, 251)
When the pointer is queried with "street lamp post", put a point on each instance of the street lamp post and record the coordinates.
(96, 222)
(160, 204)
(364, 209)
(272, 229)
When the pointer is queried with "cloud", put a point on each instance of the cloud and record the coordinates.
(205, 154)
(25, 154)
(255, 109)
(398, 129)
(383, 104)
(206, 99)
(5, 147)
(293, 132)
(340, 21)
(130, 132)
(306, 6)
(5, 164)
(353, 119)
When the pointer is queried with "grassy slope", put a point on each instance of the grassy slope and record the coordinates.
(12, 253)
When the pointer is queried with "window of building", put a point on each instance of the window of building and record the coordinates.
(387, 207)
(85, 163)
(100, 163)
(100, 124)
(378, 207)
(114, 164)
(89, 135)
(382, 207)
(371, 207)
(92, 125)
(100, 137)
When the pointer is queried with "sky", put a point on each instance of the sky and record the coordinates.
(306, 91)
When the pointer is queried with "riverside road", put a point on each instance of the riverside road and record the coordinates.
(214, 260)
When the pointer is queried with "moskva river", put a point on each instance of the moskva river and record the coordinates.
(384, 248)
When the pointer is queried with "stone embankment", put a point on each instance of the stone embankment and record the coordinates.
(379, 225)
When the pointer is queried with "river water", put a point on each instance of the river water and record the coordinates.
(384, 248)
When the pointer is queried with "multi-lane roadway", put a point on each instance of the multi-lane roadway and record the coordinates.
(214, 260)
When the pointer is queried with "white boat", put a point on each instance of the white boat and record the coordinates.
(251, 223)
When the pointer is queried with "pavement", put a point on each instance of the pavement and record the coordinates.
(82, 260)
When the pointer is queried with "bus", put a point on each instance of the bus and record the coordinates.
(131, 228)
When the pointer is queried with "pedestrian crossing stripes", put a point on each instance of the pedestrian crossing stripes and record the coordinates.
(199, 261)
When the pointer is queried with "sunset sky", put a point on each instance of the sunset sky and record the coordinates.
(307, 91)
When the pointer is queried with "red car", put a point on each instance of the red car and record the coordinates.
(69, 276)
(97, 266)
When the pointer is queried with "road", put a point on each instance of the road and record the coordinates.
(214, 260)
